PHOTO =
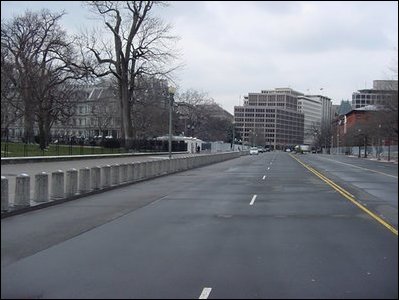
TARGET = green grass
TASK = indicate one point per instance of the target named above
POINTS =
(25, 150)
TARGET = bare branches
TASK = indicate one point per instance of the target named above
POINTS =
(141, 46)
(45, 61)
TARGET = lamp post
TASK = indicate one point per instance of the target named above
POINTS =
(379, 142)
(360, 134)
(233, 134)
(171, 91)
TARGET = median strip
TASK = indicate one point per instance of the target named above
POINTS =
(348, 196)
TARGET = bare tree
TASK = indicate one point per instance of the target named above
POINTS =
(200, 116)
(104, 109)
(141, 44)
(11, 109)
(321, 134)
(193, 110)
(45, 62)
(151, 107)
(361, 133)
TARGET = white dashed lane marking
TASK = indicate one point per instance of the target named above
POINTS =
(205, 293)
(253, 200)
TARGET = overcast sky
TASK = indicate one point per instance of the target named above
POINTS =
(232, 48)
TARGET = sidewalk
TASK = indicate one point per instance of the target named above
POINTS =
(384, 160)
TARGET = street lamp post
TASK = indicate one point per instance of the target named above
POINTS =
(379, 142)
(171, 91)
(233, 134)
(360, 134)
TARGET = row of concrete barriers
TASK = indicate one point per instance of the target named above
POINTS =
(74, 184)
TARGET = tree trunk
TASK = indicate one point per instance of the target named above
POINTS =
(29, 134)
(42, 138)
(126, 118)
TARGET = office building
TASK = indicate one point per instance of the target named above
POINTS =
(270, 118)
(379, 95)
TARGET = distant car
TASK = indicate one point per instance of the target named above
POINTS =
(261, 150)
(253, 151)
(288, 150)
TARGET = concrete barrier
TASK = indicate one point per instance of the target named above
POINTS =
(150, 169)
(143, 169)
(4, 194)
(123, 168)
(165, 165)
(84, 180)
(115, 174)
(106, 176)
(130, 172)
(57, 182)
(136, 170)
(95, 180)
(41, 187)
(22, 191)
(71, 182)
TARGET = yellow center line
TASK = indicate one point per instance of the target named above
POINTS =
(348, 196)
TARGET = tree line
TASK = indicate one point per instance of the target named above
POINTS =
(43, 69)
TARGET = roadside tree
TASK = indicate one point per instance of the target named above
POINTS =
(139, 44)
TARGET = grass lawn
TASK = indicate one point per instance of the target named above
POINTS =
(24, 150)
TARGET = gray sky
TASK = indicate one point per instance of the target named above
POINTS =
(232, 48)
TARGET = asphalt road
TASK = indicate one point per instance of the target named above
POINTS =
(252, 227)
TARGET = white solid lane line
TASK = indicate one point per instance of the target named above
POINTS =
(264, 176)
(205, 293)
(253, 200)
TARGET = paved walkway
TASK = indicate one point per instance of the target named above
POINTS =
(384, 160)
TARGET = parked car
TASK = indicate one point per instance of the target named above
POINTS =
(253, 151)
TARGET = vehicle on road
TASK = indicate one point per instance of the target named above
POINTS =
(253, 151)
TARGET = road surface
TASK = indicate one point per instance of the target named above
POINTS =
(253, 227)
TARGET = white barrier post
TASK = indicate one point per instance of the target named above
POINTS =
(130, 172)
(95, 178)
(143, 170)
(115, 174)
(57, 182)
(41, 187)
(84, 180)
(4, 194)
(22, 191)
(71, 182)
(106, 176)
(136, 171)
(123, 168)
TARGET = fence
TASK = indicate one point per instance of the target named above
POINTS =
(11, 149)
